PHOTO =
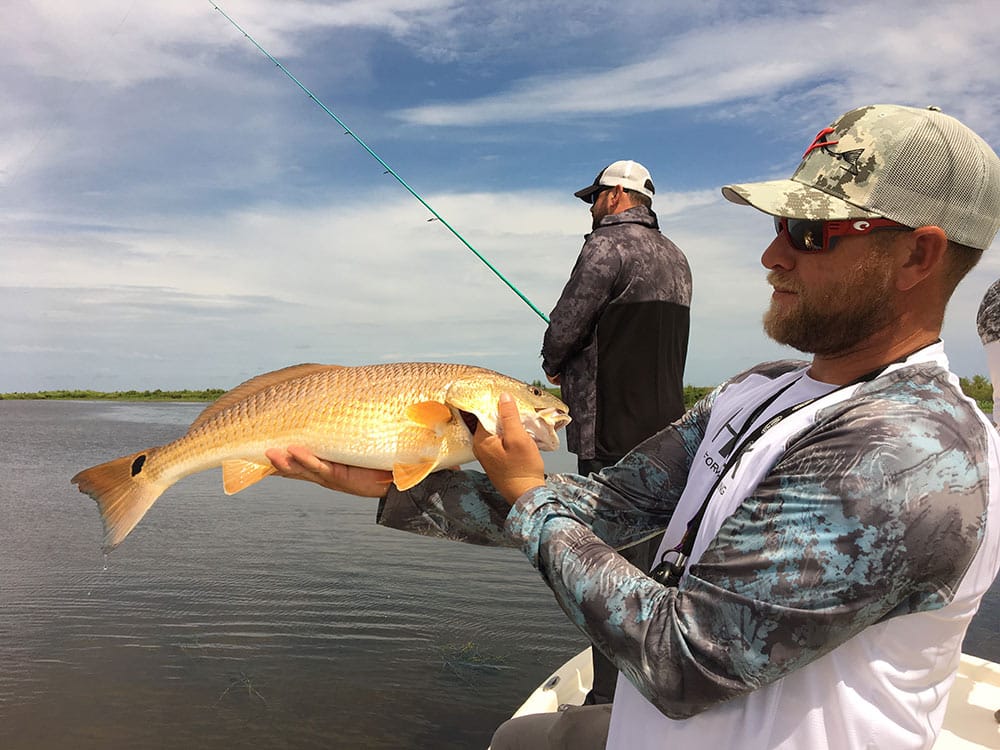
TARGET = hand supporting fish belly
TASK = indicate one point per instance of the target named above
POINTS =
(297, 462)
(409, 418)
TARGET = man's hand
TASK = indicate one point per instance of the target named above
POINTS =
(299, 463)
(510, 458)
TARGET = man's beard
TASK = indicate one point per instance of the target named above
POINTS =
(836, 319)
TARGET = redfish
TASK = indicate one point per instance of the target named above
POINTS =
(411, 418)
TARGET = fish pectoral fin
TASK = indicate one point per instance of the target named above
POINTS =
(405, 476)
(418, 451)
(238, 475)
(430, 414)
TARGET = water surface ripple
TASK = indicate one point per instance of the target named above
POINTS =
(281, 617)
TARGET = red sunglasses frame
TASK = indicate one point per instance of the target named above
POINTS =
(802, 231)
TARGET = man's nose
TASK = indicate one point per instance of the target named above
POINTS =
(779, 254)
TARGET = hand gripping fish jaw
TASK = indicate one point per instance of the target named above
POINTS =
(542, 426)
(542, 414)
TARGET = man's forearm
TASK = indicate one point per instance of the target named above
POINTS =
(459, 505)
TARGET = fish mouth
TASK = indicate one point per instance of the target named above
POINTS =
(542, 427)
(554, 417)
(470, 419)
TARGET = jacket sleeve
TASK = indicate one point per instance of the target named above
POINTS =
(832, 541)
(627, 503)
(624, 504)
(459, 505)
(583, 299)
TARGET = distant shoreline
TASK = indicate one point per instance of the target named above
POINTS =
(184, 395)
(977, 387)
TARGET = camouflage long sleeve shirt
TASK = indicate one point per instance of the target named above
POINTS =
(872, 506)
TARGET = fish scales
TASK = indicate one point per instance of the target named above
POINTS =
(340, 415)
(405, 417)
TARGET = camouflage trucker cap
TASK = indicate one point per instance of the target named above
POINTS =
(919, 167)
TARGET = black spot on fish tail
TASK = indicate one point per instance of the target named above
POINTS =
(137, 464)
(470, 421)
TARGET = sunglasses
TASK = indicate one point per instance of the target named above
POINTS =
(809, 236)
(597, 194)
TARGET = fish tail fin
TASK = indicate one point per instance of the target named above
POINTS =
(123, 494)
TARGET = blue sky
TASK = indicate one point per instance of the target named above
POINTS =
(176, 213)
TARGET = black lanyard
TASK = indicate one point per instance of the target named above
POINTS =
(669, 571)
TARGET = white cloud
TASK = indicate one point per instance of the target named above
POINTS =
(175, 220)
(123, 42)
(761, 60)
(208, 304)
(265, 287)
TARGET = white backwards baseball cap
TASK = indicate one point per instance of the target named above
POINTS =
(631, 175)
(918, 167)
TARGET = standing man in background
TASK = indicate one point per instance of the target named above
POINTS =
(617, 341)
(988, 325)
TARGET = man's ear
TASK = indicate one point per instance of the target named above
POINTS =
(923, 251)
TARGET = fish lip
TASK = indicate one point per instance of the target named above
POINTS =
(554, 416)
(543, 428)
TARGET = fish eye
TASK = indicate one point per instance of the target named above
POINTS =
(534, 391)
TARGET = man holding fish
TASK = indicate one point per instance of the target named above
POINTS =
(830, 526)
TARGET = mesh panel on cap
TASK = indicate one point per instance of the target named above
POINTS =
(940, 176)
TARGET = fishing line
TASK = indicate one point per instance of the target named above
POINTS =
(388, 169)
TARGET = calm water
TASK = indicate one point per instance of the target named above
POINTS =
(281, 617)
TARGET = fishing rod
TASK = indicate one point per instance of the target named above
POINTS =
(376, 157)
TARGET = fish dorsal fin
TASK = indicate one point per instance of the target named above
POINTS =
(238, 475)
(430, 414)
(254, 385)
(405, 476)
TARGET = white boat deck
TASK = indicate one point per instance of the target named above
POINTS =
(970, 722)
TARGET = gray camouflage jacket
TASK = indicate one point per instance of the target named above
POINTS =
(873, 511)
(618, 336)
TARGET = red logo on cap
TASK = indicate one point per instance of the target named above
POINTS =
(819, 143)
